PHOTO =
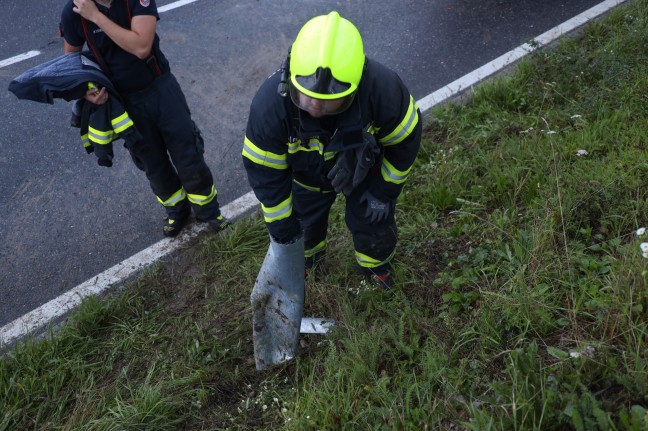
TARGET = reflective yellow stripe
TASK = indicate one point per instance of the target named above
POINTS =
(313, 251)
(311, 188)
(369, 262)
(278, 212)
(121, 123)
(202, 199)
(393, 175)
(174, 199)
(313, 145)
(405, 127)
(85, 141)
(371, 128)
(100, 137)
(263, 158)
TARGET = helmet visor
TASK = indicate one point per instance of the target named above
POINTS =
(322, 82)
(320, 107)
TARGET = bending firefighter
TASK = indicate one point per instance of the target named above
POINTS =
(121, 34)
(330, 121)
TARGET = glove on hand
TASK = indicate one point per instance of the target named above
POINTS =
(351, 167)
(341, 175)
(377, 210)
(366, 158)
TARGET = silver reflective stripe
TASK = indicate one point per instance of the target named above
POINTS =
(265, 158)
(395, 177)
(99, 139)
(405, 130)
(122, 123)
(272, 215)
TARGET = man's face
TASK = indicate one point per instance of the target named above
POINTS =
(317, 107)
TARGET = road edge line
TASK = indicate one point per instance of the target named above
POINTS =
(491, 68)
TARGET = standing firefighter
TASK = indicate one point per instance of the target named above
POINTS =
(122, 37)
(330, 121)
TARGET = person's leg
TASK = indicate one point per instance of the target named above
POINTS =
(150, 156)
(185, 145)
(374, 244)
(312, 210)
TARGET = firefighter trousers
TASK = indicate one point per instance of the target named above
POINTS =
(171, 153)
(374, 243)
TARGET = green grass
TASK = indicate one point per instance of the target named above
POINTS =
(521, 300)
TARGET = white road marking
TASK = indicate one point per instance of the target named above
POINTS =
(17, 58)
(98, 284)
(514, 55)
(30, 54)
(58, 307)
(174, 5)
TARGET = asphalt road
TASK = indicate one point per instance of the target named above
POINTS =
(66, 219)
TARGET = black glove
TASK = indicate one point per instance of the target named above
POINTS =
(351, 167)
(341, 175)
(366, 158)
(377, 210)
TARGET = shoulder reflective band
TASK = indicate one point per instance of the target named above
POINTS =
(405, 127)
(263, 158)
(278, 212)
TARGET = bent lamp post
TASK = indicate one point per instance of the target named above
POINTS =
(278, 303)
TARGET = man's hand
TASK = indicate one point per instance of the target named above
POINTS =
(377, 210)
(87, 9)
(96, 96)
(137, 40)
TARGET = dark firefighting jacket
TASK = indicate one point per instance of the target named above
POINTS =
(284, 144)
(67, 77)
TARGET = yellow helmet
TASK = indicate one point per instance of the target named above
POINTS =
(327, 58)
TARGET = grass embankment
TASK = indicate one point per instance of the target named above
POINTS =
(521, 303)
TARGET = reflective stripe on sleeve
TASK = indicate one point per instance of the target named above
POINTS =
(393, 175)
(405, 127)
(85, 141)
(121, 123)
(278, 212)
(100, 137)
(263, 158)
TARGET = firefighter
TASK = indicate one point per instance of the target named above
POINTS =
(332, 121)
(121, 34)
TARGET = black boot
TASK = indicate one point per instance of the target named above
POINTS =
(175, 221)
